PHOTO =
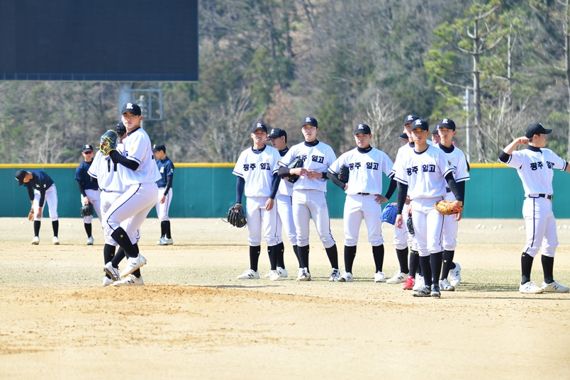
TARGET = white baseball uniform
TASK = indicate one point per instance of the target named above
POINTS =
(535, 168)
(458, 162)
(257, 168)
(403, 239)
(424, 173)
(309, 201)
(365, 182)
(131, 208)
(284, 204)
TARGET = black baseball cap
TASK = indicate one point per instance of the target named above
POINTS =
(276, 133)
(404, 136)
(421, 124)
(309, 120)
(20, 174)
(536, 129)
(447, 123)
(133, 108)
(410, 118)
(362, 128)
(259, 125)
(87, 148)
(161, 147)
(120, 128)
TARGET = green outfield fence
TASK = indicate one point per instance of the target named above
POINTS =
(206, 190)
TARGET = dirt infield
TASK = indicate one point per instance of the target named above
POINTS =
(193, 319)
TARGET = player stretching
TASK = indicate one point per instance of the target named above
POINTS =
(423, 174)
(278, 138)
(256, 172)
(535, 167)
(89, 190)
(166, 170)
(363, 198)
(457, 159)
(309, 200)
(41, 188)
(129, 211)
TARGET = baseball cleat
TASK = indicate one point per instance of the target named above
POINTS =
(530, 288)
(335, 275)
(424, 291)
(397, 278)
(379, 277)
(274, 275)
(55, 240)
(435, 292)
(282, 272)
(133, 263)
(249, 274)
(419, 282)
(90, 240)
(165, 241)
(346, 277)
(554, 287)
(446, 286)
(130, 280)
(112, 272)
(455, 275)
(107, 281)
(36, 240)
(303, 275)
(409, 284)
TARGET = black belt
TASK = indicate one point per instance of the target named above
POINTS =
(547, 196)
(363, 193)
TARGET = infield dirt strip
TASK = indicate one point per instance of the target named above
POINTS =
(193, 319)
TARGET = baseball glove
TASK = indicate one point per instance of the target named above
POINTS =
(86, 210)
(297, 163)
(236, 217)
(448, 207)
(389, 213)
(343, 176)
(108, 142)
(410, 225)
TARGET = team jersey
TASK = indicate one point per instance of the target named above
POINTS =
(257, 168)
(40, 182)
(458, 162)
(317, 157)
(86, 182)
(138, 148)
(535, 168)
(107, 173)
(285, 187)
(365, 170)
(165, 169)
(424, 173)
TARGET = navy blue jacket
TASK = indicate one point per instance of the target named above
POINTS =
(40, 181)
(85, 181)
(166, 170)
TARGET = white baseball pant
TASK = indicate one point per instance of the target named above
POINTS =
(94, 198)
(50, 200)
(428, 224)
(540, 227)
(284, 205)
(162, 208)
(450, 227)
(307, 205)
(261, 222)
(356, 208)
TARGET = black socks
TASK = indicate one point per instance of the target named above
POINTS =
(349, 255)
(55, 226)
(332, 254)
(435, 260)
(378, 253)
(403, 259)
(254, 252)
(526, 267)
(165, 229)
(88, 229)
(37, 225)
(447, 264)
(548, 267)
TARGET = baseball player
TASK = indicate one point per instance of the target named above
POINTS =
(89, 190)
(308, 197)
(256, 172)
(128, 212)
(435, 139)
(458, 161)
(41, 188)
(402, 237)
(535, 167)
(111, 187)
(166, 170)
(283, 202)
(363, 198)
(422, 174)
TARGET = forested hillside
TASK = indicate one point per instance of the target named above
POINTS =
(343, 62)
